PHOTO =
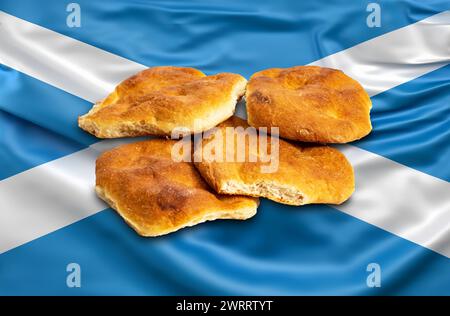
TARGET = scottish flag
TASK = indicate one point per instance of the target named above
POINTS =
(391, 238)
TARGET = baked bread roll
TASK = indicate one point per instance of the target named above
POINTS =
(309, 104)
(156, 195)
(299, 175)
(160, 100)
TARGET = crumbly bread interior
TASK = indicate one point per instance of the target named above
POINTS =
(269, 189)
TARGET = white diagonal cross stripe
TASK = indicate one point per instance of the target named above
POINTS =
(401, 200)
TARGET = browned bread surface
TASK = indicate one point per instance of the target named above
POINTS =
(156, 195)
(305, 174)
(158, 100)
(309, 104)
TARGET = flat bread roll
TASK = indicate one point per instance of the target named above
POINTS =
(156, 195)
(309, 104)
(160, 100)
(300, 175)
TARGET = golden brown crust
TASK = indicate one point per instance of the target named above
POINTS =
(306, 174)
(156, 195)
(160, 99)
(309, 103)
